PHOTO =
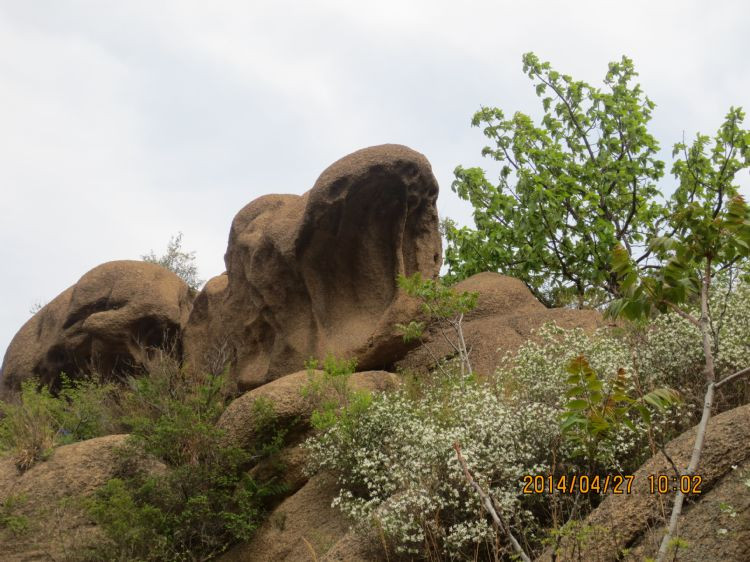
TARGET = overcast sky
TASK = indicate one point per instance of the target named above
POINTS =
(122, 123)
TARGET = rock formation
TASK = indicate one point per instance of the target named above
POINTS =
(306, 276)
(48, 497)
(102, 324)
(505, 315)
(316, 273)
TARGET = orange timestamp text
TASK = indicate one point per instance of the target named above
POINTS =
(615, 483)
(581, 483)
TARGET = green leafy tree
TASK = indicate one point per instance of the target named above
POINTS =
(569, 190)
(710, 233)
(178, 261)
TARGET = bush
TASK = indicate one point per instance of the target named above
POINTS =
(203, 500)
(538, 373)
(396, 464)
(397, 470)
(328, 393)
(40, 420)
(10, 520)
(181, 492)
(178, 261)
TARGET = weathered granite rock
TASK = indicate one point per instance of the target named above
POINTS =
(316, 273)
(103, 323)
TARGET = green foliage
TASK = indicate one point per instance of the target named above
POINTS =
(41, 420)
(569, 189)
(203, 500)
(439, 302)
(10, 519)
(172, 411)
(710, 234)
(443, 308)
(710, 226)
(595, 410)
(329, 394)
(576, 536)
(677, 543)
(178, 261)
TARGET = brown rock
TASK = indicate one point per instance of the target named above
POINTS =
(46, 494)
(627, 520)
(312, 274)
(716, 528)
(305, 527)
(291, 408)
(503, 320)
(101, 324)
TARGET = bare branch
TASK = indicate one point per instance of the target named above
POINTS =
(733, 376)
(707, 404)
(487, 502)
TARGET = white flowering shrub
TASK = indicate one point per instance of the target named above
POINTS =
(537, 373)
(398, 468)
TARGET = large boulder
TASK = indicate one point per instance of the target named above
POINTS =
(47, 498)
(101, 324)
(292, 410)
(504, 318)
(316, 273)
(306, 527)
(629, 526)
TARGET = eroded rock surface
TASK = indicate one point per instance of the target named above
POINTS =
(102, 323)
(312, 274)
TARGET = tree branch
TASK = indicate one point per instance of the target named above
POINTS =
(733, 376)
(682, 313)
(707, 403)
(487, 502)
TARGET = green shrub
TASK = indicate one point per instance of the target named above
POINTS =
(202, 500)
(331, 399)
(40, 420)
(10, 519)
(538, 373)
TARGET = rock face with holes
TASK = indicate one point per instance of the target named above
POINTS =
(103, 323)
(316, 273)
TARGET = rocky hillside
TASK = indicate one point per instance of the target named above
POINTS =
(306, 277)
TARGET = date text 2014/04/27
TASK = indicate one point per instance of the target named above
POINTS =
(615, 483)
